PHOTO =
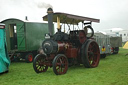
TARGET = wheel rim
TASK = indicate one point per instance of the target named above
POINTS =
(61, 65)
(30, 58)
(93, 54)
(39, 64)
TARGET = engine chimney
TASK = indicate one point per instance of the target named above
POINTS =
(26, 18)
(50, 20)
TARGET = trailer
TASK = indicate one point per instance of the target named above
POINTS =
(107, 44)
(115, 42)
(24, 38)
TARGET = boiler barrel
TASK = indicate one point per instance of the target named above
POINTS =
(50, 46)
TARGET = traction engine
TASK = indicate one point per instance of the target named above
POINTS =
(62, 50)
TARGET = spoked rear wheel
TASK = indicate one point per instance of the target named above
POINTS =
(60, 64)
(39, 63)
(90, 54)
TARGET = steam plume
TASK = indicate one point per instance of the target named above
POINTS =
(44, 5)
(34, 9)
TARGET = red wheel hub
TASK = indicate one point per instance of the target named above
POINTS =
(30, 58)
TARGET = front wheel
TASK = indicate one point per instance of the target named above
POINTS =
(60, 64)
(39, 63)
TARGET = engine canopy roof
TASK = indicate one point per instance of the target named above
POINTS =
(70, 18)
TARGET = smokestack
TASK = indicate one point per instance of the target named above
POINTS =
(50, 20)
(26, 18)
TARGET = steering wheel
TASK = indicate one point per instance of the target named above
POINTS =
(89, 31)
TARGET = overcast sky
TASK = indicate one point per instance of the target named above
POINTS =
(112, 13)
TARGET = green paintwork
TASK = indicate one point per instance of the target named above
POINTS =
(29, 35)
(35, 34)
(21, 36)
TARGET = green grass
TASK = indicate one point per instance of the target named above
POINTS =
(113, 70)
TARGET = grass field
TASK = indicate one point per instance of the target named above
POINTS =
(113, 70)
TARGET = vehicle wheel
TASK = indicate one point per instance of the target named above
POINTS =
(115, 50)
(60, 64)
(90, 35)
(39, 63)
(11, 58)
(90, 54)
(29, 57)
(102, 55)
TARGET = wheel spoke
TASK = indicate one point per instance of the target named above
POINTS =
(57, 67)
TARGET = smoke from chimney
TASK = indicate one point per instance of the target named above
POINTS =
(34, 9)
(44, 5)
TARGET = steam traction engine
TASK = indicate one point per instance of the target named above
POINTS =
(61, 50)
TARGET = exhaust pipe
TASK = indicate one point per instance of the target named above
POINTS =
(26, 18)
(50, 20)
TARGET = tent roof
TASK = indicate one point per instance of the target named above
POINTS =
(125, 45)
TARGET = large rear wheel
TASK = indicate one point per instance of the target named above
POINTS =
(39, 63)
(90, 54)
(60, 64)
